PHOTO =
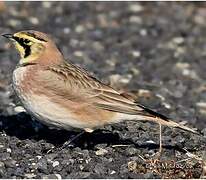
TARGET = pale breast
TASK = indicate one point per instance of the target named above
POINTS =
(18, 78)
(41, 106)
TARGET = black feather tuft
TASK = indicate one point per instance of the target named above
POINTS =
(153, 113)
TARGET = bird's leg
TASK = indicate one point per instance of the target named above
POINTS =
(67, 143)
(158, 154)
(160, 139)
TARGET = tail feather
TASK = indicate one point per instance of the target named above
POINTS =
(174, 124)
(161, 119)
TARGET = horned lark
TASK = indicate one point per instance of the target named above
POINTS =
(61, 94)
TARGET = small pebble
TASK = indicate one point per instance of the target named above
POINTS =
(202, 107)
(101, 152)
(78, 53)
(14, 23)
(30, 175)
(10, 163)
(131, 151)
(58, 176)
(204, 132)
(181, 65)
(168, 106)
(39, 157)
(19, 109)
(34, 20)
(201, 104)
(132, 165)
(135, 71)
(99, 168)
(55, 163)
(178, 40)
(150, 142)
(136, 54)
(79, 29)
(135, 19)
(74, 42)
(112, 172)
(117, 78)
(135, 8)
(52, 176)
(144, 93)
(66, 30)
(143, 32)
(8, 150)
(1, 164)
(46, 4)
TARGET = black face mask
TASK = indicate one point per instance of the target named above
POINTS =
(24, 43)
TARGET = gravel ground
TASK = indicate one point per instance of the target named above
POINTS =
(154, 50)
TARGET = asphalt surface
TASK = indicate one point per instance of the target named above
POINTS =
(154, 50)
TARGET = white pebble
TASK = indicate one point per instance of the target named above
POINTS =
(136, 8)
(168, 106)
(79, 29)
(81, 167)
(66, 30)
(112, 172)
(1, 164)
(178, 40)
(19, 109)
(201, 104)
(126, 79)
(161, 97)
(144, 93)
(8, 150)
(55, 163)
(39, 157)
(101, 152)
(78, 53)
(14, 23)
(29, 175)
(182, 65)
(143, 32)
(136, 53)
(58, 176)
(186, 72)
(74, 42)
(150, 142)
(192, 74)
(46, 4)
(135, 19)
(34, 20)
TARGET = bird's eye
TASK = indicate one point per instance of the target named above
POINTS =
(26, 41)
(21, 40)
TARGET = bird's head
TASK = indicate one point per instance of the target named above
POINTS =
(33, 46)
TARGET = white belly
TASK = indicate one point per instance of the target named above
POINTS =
(42, 108)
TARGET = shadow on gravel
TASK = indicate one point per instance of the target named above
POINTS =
(23, 127)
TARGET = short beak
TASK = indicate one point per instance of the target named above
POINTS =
(9, 36)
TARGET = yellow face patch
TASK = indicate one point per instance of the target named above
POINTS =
(20, 49)
(29, 47)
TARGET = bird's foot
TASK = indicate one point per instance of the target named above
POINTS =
(157, 155)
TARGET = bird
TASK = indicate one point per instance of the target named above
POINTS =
(61, 94)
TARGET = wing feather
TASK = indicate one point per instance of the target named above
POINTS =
(78, 85)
